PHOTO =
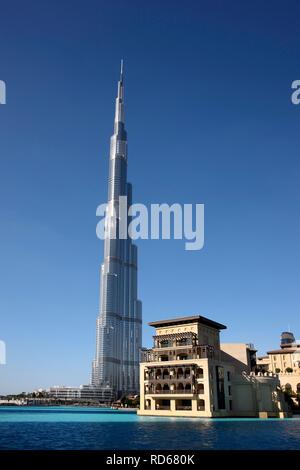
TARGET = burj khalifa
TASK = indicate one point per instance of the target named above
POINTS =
(115, 369)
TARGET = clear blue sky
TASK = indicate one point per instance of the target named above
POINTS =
(209, 120)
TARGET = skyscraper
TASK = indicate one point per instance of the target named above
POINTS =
(119, 324)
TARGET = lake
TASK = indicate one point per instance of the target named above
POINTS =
(96, 428)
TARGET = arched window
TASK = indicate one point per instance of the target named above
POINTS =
(199, 373)
(201, 405)
(180, 386)
(147, 404)
(158, 388)
(298, 388)
(166, 387)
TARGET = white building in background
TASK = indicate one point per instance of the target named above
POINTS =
(84, 392)
(65, 393)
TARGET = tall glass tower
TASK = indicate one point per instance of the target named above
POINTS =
(119, 325)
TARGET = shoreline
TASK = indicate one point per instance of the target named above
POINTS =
(63, 405)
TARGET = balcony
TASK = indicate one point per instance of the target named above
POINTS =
(179, 391)
(174, 387)
(168, 378)
(174, 340)
(173, 374)
(170, 392)
(175, 344)
(180, 354)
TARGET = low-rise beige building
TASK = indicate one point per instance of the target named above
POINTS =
(189, 373)
(285, 362)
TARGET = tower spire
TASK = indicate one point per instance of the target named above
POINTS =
(121, 72)
(119, 113)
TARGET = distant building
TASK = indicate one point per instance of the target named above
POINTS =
(263, 364)
(84, 392)
(65, 393)
(94, 393)
(285, 362)
(189, 373)
(242, 354)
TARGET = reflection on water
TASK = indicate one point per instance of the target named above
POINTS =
(93, 428)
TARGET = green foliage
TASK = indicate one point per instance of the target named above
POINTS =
(130, 402)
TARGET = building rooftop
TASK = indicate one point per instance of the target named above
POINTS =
(191, 319)
(282, 351)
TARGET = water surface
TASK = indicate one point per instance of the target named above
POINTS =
(96, 428)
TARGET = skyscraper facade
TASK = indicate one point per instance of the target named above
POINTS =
(115, 368)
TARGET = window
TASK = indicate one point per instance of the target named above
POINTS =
(200, 389)
(183, 405)
(162, 404)
(230, 405)
(229, 390)
(163, 358)
(220, 387)
(182, 341)
(182, 357)
(147, 404)
(228, 376)
(200, 405)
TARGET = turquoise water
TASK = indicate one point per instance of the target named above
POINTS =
(94, 428)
